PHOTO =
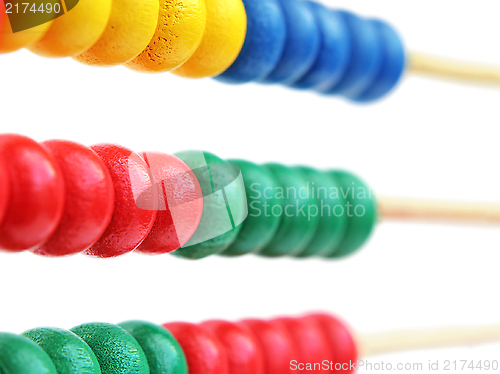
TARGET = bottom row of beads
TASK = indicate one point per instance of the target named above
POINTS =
(213, 347)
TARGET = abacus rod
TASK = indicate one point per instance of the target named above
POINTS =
(438, 67)
(381, 343)
(429, 210)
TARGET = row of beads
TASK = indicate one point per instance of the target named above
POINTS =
(297, 43)
(59, 198)
(213, 347)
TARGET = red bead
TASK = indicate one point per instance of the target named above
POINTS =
(312, 345)
(204, 352)
(36, 194)
(4, 188)
(241, 346)
(340, 340)
(180, 203)
(276, 344)
(89, 199)
(133, 187)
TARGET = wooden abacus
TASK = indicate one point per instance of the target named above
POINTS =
(316, 342)
(59, 198)
(299, 44)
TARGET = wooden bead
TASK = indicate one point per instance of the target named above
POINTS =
(204, 352)
(302, 43)
(10, 41)
(335, 50)
(361, 212)
(19, 355)
(296, 228)
(276, 344)
(116, 350)
(259, 227)
(180, 204)
(241, 346)
(68, 352)
(332, 222)
(264, 43)
(133, 185)
(89, 199)
(76, 31)
(341, 344)
(312, 345)
(224, 205)
(4, 189)
(222, 40)
(163, 352)
(177, 36)
(131, 26)
(366, 57)
(37, 194)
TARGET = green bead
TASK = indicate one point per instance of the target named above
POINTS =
(328, 203)
(19, 355)
(69, 353)
(224, 205)
(116, 350)
(258, 228)
(164, 354)
(297, 227)
(360, 209)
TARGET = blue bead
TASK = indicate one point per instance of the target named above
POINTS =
(394, 63)
(264, 43)
(301, 45)
(334, 53)
(366, 58)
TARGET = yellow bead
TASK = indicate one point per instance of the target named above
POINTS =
(76, 31)
(224, 36)
(131, 26)
(10, 42)
(179, 32)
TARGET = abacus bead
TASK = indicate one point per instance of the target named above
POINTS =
(19, 355)
(224, 205)
(276, 344)
(222, 40)
(116, 350)
(13, 41)
(4, 190)
(76, 31)
(301, 45)
(68, 352)
(264, 43)
(133, 186)
(89, 199)
(394, 62)
(334, 51)
(332, 226)
(366, 58)
(341, 343)
(180, 203)
(241, 346)
(312, 345)
(162, 351)
(258, 228)
(37, 194)
(204, 352)
(296, 228)
(361, 210)
(178, 34)
(131, 26)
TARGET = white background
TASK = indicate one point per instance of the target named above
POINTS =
(429, 139)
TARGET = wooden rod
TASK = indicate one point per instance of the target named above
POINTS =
(437, 67)
(422, 210)
(381, 343)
